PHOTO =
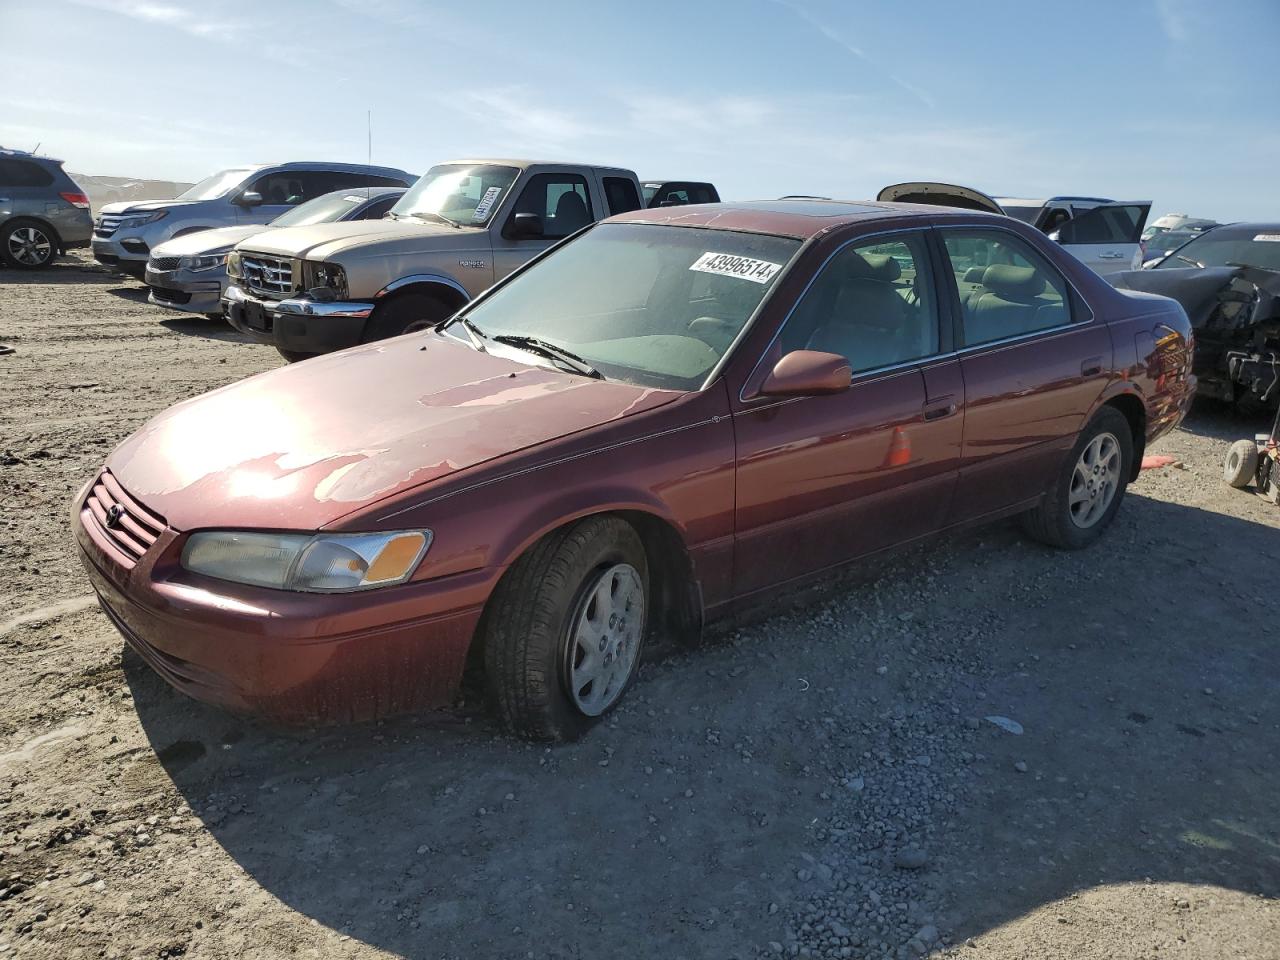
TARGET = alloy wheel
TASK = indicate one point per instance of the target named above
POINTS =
(30, 246)
(1095, 480)
(604, 638)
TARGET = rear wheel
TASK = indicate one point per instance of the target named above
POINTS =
(1089, 487)
(28, 245)
(1241, 465)
(564, 630)
(405, 314)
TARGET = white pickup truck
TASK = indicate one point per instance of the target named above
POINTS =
(462, 227)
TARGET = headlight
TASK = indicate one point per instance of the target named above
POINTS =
(233, 264)
(314, 563)
(142, 219)
(327, 276)
(206, 261)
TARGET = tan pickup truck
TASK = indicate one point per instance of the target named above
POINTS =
(463, 226)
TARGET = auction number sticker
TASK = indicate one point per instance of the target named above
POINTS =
(486, 204)
(729, 265)
(1268, 238)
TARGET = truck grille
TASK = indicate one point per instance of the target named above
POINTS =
(107, 224)
(268, 275)
(127, 526)
(164, 263)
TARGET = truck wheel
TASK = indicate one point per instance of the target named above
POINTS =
(1087, 492)
(1241, 465)
(404, 314)
(563, 631)
(27, 245)
(293, 356)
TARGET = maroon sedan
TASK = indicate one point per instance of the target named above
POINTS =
(668, 414)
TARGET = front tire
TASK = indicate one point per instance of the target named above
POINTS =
(404, 314)
(295, 356)
(1089, 487)
(563, 632)
(28, 245)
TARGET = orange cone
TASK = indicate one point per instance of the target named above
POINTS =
(899, 449)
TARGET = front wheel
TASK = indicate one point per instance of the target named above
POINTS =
(406, 313)
(294, 356)
(563, 632)
(27, 245)
(1241, 464)
(1088, 489)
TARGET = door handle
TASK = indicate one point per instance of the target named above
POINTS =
(1091, 367)
(1111, 255)
(939, 409)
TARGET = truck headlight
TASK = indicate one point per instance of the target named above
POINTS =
(311, 563)
(142, 219)
(208, 261)
(233, 264)
(326, 276)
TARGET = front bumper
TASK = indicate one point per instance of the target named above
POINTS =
(292, 658)
(191, 291)
(128, 254)
(297, 324)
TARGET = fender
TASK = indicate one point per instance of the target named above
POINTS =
(415, 279)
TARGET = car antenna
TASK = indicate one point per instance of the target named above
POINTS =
(368, 126)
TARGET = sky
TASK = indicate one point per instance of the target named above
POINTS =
(1173, 101)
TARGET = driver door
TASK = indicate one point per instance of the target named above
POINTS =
(563, 202)
(824, 479)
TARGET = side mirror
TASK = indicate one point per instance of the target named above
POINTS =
(250, 198)
(807, 373)
(525, 226)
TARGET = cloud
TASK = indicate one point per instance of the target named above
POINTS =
(1175, 20)
(198, 23)
(523, 115)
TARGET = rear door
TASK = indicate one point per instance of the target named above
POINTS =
(1106, 236)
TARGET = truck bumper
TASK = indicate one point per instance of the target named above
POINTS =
(297, 324)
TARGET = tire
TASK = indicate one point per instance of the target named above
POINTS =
(28, 245)
(1071, 516)
(295, 356)
(1241, 465)
(533, 655)
(405, 313)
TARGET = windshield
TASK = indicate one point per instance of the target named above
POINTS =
(656, 306)
(1253, 249)
(330, 208)
(459, 192)
(210, 188)
(1166, 240)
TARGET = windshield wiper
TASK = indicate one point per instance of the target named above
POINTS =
(552, 351)
(1194, 263)
(475, 333)
(439, 216)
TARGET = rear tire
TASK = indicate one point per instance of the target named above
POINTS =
(1089, 486)
(1241, 465)
(28, 245)
(588, 579)
(404, 314)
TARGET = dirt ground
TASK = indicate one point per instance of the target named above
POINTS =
(819, 783)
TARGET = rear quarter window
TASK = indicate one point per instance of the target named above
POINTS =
(24, 173)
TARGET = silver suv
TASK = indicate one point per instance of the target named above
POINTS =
(126, 232)
(43, 212)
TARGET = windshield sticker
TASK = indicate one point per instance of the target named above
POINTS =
(744, 268)
(1268, 238)
(352, 198)
(486, 204)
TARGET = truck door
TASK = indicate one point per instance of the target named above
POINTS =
(563, 204)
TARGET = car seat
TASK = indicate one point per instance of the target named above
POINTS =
(1006, 305)
(868, 320)
(571, 214)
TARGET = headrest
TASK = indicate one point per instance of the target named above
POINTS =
(871, 266)
(974, 274)
(1013, 283)
(570, 204)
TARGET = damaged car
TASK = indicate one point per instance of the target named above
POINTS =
(1228, 281)
(658, 422)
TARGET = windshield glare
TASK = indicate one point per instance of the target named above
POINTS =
(1215, 250)
(463, 193)
(330, 208)
(210, 188)
(653, 305)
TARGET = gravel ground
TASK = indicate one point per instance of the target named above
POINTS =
(822, 782)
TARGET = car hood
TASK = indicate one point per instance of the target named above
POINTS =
(206, 241)
(322, 241)
(939, 194)
(304, 445)
(140, 206)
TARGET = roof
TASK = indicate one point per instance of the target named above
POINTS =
(801, 219)
(525, 163)
(1244, 229)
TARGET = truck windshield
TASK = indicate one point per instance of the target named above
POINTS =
(210, 188)
(460, 192)
(330, 208)
(648, 304)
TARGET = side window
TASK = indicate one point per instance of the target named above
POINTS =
(560, 199)
(872, 303)
(379, 208)
(282, 189)
(621, 194)
(22, 173)
(1006, 288)
(1106, 224)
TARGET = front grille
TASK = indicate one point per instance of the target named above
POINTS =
(164, 263)
(130, 528)
(107, 224)
(268, 275)
(169, 295)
